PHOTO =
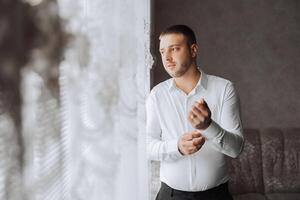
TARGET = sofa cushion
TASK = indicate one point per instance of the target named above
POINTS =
(281, 160)
(246, 170)
(250, 196)
(283, 196)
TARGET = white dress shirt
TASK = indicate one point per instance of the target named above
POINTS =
(167, 112)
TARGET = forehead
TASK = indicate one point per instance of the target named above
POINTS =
(171, 39)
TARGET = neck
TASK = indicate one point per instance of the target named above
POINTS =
(189, 80)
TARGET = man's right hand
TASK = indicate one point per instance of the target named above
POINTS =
(190, 143)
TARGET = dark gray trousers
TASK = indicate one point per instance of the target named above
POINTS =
(218, 193)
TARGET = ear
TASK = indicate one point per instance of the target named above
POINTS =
(194, 50)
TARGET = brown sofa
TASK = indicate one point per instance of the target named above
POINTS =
(269, 166)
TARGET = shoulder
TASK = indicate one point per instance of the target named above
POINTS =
(161, 88)
(212, 79)
(157, 91)
(217, 82)
(221, 86)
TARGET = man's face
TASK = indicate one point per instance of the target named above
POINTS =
(175, 54)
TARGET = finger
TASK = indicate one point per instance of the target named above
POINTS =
(203, 141)
(196, 134)
(199, 115)
(187, 136)
(193, 149)
(202, 101)
(192, 119)
(199, 118)
(188, 143)
(198, 141)
(196, 123)
(205, 103)
(191, 116)
(199, 146)
(196, 111)
(203, 107)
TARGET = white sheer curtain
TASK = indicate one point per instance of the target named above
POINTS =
(104, 81)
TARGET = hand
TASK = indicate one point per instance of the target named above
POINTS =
(200, 115)
(190, 143)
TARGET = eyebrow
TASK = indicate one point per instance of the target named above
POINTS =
(172, 45)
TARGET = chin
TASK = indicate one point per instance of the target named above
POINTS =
(174, 75)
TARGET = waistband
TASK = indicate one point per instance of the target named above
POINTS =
(219, 189)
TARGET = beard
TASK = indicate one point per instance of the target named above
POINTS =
(180, 71)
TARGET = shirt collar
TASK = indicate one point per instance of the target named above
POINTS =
(202, 83)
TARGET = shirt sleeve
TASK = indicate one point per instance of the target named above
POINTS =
(227, 136)
(156, 148)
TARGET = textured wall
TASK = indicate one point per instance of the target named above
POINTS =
(253, 43)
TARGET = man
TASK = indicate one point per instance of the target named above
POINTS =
(193, 123)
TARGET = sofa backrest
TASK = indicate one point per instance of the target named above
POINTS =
(269, 163)
(281, 159)
(246, 170)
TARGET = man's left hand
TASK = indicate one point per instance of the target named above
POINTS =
(200, 115)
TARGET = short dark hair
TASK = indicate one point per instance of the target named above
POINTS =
(181, 29)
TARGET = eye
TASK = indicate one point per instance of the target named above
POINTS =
(161, 52)
(175, 49)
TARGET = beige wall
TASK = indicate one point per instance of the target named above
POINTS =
(255, 44)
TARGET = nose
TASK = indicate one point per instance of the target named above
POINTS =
(168, 56)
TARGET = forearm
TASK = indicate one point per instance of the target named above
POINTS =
(229, 142)
(162, 150)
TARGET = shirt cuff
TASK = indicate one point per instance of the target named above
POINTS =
(173, 148)
(212, 130)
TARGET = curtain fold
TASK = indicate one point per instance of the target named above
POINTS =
(83, 88)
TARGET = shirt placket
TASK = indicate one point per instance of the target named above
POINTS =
(192, 174)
